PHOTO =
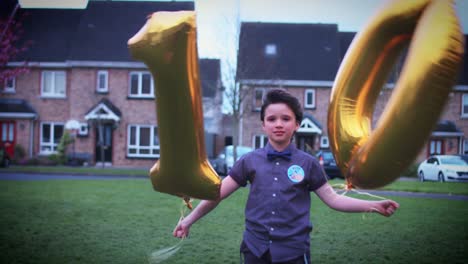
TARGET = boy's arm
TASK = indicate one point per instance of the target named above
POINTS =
(347, 204)
(228, 186)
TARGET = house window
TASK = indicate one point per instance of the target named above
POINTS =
(465, 146)
(141, 85)
(53, 84)
(50, 136)
(143, 141)
(259, 94)
(435, 147)
(8, 131)
(309, 98)
(270, 50)
(102, 82)
(9, 85)
(259, 141)
(464, 110)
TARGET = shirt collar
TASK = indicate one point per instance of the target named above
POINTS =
(291, 147)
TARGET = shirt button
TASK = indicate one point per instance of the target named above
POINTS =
(274, 195)
(276, 179)
(272, 229)
(277, 163)
(273, 212)
(271, 241)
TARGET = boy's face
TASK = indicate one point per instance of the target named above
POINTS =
(279, 124)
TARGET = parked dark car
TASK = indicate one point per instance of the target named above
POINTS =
(225, 160)
(4, 158)
(327, 160)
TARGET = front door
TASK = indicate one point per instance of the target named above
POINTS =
(104, 143)
(306, 143)
(8, 137)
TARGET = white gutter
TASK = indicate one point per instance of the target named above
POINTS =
(70, 64)
(313, 83)
(287, 82)
(18, 115)
(447, 134)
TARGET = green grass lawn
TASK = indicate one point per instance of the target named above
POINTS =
(124, 221)
(409, 186)
(78, 170)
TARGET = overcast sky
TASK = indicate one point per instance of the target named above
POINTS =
(216, 17)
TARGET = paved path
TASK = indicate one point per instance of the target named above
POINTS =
(419, 195)
(57, 176)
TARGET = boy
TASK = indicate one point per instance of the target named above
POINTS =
(281, 178)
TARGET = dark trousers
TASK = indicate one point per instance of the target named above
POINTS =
(247, 257)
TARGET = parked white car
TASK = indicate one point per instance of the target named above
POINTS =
(443, 168)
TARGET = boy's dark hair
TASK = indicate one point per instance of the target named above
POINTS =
(281, 96)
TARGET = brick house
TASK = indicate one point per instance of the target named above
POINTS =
(80, 69)
(304, 59)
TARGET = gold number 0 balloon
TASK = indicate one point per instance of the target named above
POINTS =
(372, 160)
(167, 45)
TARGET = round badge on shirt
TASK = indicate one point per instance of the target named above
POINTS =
(295, 173)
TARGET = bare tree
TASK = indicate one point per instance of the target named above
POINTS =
(227, 47)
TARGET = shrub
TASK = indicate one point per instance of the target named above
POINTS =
(20, 153)
(39, 161)
(411, 171)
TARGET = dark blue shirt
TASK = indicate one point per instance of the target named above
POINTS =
(277, 214)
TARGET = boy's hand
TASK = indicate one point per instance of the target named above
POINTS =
(386, 207)
(181, 230)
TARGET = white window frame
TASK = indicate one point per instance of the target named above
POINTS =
(105, 86)
(152, 147)
(271, 50)
(8, 131)
(51, 144)
(254, 101)
(306, 103)
(140, 88)
(263, 139)
(9, 86)
(435, 147)
(54, 93)
(464, 102)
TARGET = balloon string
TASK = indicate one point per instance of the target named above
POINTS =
(188, 202)
(343, 189)
(158, 256)
(161, 255)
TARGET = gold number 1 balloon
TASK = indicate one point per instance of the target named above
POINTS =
(167, 45)
(374, 159)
